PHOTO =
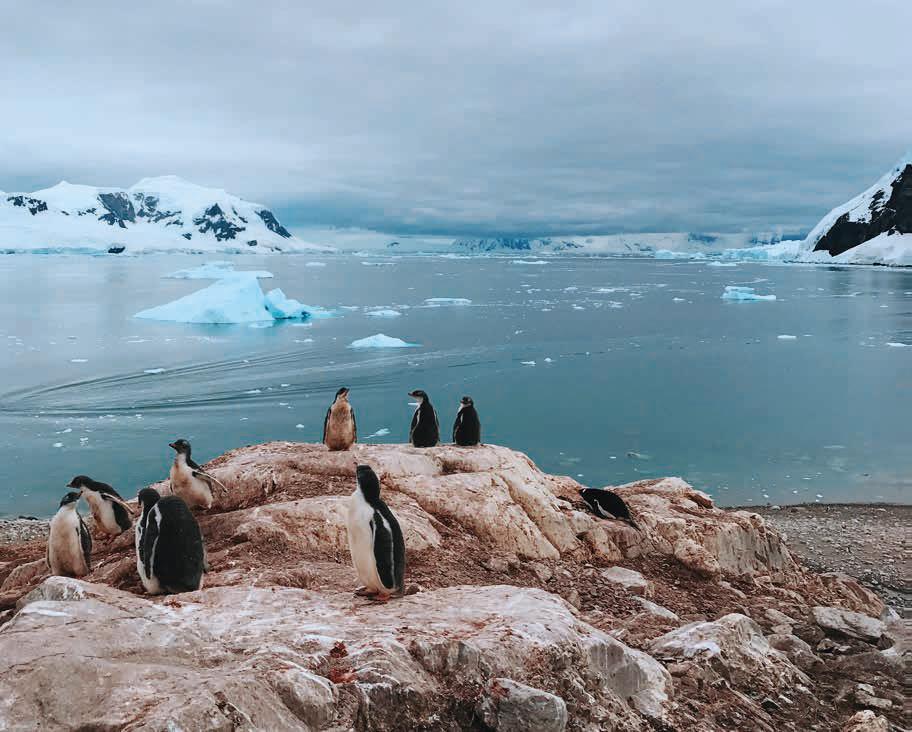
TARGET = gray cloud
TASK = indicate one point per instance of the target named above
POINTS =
(474, 117)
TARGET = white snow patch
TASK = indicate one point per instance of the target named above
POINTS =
(381, 340)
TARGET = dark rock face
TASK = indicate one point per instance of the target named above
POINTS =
(251, 242)
(519, 244)
(214, 220)
(116, 249)
(890, 216)
(34, 205)
(120, 209)
(272, 223)
(147, 208)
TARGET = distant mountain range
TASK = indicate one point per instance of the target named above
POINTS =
(157, 214)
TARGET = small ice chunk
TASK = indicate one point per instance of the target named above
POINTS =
(744, 294)
(678, 299)
(153, 371)
(548, 360)
(895, 344)
(721, 264)
(79, 360)
(381, 340)
(530, 261)
(254, 391)
(299, 426)
(527, 363)
(384, 313)
(57, 444)
(315, 264)
(787, 337)
(440, 301)
(382, 432)
(213, 271)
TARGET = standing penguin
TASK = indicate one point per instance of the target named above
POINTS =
(69, 547)
(111, 513)
(340, 431)
(170, 555)
(607, 504)
(467, 427)
(375, 540)
(189, 480)
(425, 429)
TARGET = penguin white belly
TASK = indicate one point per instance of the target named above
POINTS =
(151, 583)
(65, 555)
(103, 513)
(183, 483)
(361, 542)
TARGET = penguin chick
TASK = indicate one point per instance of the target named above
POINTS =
(425, 428)
(69, 547)
(607, 504)
(375, 540)
(111, 513)
(467, 427)
(340, 431)
(189, 480)
(170, 554)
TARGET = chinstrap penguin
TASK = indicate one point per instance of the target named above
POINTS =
(340, 431)
(189, 480)
(111, 513)
(375, 540)
(425, 429)
(607, 504)
(170, 554)
(467, 427)
(69, 547)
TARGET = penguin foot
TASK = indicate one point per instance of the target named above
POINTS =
(379, 597)
(365, 592)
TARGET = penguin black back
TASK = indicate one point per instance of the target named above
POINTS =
(607, 504)
(171, 547)
(467, 427)
(425, 429)
(107, 494)
(389, 543)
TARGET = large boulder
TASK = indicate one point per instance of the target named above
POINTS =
(847, 623)
(90, 656)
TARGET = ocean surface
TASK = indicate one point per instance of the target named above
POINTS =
(608, 370)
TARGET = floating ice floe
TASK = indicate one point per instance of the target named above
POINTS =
(530, 261)
(384, 313)
(715, 263)
(668, 254)
(381, 340)
(79, 360)
(895, 344)
(744, 294)
(153, 371)
(786, 337)
(527, 363)
(315, 264)
(236, 298)
(382, 432)
(678, 299)
(213, 271)
(436, 302)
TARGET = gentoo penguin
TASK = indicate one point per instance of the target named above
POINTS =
(425, 429)
(467, 428)
(189, 480)
(170, 555)
(111, 513)
(69, 548)
(340, 431)
(607, 504)
(375, 540)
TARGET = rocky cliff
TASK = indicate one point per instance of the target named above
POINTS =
(526, 612)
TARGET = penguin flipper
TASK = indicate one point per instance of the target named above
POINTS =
(456, 425)
(354, 426)
(383, 550)
(209, 480)
(326, 424)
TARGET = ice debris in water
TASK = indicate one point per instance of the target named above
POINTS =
(786, 337)
(722, 264)
(381, 340)
(439, 301)
(529, 261)
(315, 264)
(382, 432)
(384, 313)
(894, 344)
(668, 254)
(79, 360)
(743, 294)
(527, 363)
(213, 271)
(153, 371)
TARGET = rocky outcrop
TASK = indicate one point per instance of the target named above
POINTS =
(524, 611)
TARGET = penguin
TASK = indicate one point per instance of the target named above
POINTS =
(340, 431)
(69, 547)
(112, 515)
(170, 554)
(425, 429)
(467, 427)
(375, 540)
(607, 504)
(189, 480)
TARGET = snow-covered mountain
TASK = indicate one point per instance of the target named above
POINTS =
(618, 244)
(875, 227)
(157, 214)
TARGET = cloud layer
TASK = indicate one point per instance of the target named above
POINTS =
(472, 117)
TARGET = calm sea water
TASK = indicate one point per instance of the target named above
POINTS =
(640, 370)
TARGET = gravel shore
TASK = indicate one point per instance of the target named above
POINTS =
(870, 542)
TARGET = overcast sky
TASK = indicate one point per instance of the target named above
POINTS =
(468, 117)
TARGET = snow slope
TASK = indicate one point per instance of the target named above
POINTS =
(156, 214)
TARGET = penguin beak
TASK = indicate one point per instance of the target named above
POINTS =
(172, 445)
